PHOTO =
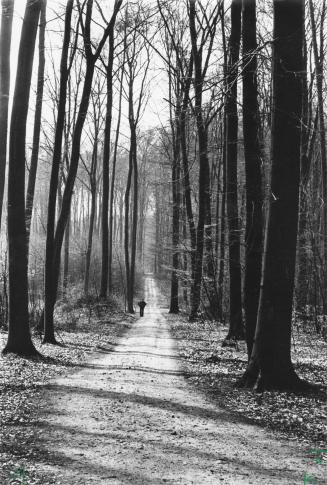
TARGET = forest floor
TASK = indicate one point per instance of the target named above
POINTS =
(134, 411)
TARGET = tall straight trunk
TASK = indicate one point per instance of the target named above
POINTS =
(55, 168)
(51, 295)
(113, 179)
(222, 249)
(319, 68)
(308, 136)
(37, 125)
(135, 212)
(271, 355)
(105, 171)
(204, 169)
(252, 154)
(236, 330)
(307, 149)
(91, 215)
(7, 8)
(54, 258)
(19, 336)
(185, 162)
(66, 255)
(89, 242)
(221, 271)
(174, 303)
(129, 297)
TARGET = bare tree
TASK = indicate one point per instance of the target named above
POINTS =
(137, 65)
(235, 286)
(37, 124)
(19, 337)
(253, 157)
(270, 364)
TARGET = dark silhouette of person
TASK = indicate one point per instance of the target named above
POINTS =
(141, 304)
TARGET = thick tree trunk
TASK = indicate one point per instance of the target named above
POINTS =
(252, 153)
(7, 8)
(19, 337)
(236, 330)
(271, 355)
(37, 125)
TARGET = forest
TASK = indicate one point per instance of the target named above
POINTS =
(173, 151)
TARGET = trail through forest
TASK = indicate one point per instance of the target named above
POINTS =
(129, 416)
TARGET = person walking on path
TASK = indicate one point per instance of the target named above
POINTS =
(141, 304)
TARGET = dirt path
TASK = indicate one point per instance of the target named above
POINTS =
(129, 417)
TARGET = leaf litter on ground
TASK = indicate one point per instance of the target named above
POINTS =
(215, 370)
(81, 329)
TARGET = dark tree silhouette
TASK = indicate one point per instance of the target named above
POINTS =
(236, 330)
(19, 337)
(270, 361)
(56, 159)
(105, 165)
(37, 124)
(252, 153)
(54, 268)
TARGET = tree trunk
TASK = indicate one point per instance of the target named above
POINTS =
(105, 171)
(271, 355)
(66, 256)
(185, 162)
(7, 7)
(37, 125)
(204, 217)
(19, 337)
(51, 295)
(319, 68)
(113, 179)
(89, 243)
(174, 303)
(129, 298)
(236, 330)
(252, 154)
(56, 159)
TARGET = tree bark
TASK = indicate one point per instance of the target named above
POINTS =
(271, 355)
(174, 285)
(252, 154)
(236, 329)
(113, 179)
(105, 170)
(37, 125)
(54, 177)
(319, 68)
(19, 336)
(204, 211)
